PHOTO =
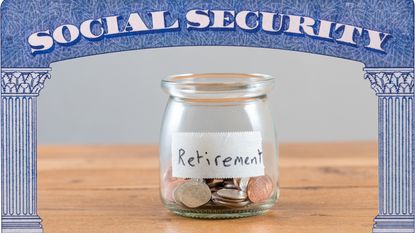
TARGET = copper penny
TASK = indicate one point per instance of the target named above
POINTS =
(259, 188)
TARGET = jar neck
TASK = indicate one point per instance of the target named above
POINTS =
(218, 88)
(219, 101)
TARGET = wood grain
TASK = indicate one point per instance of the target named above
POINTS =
(95, 189)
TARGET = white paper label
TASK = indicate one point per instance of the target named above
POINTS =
(217, 155)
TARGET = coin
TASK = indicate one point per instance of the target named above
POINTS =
(177, 193)
(228, 204)
(215, 189)
(230, 186)
(259, 188)
(243, 183)
(214, 183)
(192, 194)
(207, 181)
(169, 189)
(232, 194)
(228, 181)
(236, 181)
(215, 196)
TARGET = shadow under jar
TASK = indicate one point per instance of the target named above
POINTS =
(218, 147)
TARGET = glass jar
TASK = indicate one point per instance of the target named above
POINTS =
(218, 147)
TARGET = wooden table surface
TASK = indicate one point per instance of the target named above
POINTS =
(96, 189)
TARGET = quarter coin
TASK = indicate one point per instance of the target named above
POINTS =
(192, 194)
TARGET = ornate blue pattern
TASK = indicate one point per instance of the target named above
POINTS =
(18, 82)
(395, 89)
(37, 15)
(391, 81)
(20, 89)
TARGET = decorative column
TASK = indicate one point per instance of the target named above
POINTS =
(394, 88)
(20, 88)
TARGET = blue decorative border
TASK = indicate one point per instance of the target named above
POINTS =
(39, 15)
(36, 33)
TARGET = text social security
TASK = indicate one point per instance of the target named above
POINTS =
(204, 19)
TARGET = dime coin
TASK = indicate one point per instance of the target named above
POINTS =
(192, 194)
(232, 194)
(259, 189)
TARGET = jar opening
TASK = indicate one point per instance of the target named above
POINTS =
(218, 85)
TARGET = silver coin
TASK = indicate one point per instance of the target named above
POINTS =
(232, 194)
(227, 200)
(230, 186)
(236, 181)
(192, 194)
(177, 194)
(243, 184)
(231, 204)
(216, 196)
(239, 204)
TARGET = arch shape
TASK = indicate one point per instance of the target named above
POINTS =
(37, 35)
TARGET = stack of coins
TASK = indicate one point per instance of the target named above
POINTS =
(230, 192)
(230, 198)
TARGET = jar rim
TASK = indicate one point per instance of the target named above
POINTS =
(218, 85)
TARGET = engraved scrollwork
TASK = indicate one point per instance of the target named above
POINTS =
(15, 81)
(388, 81)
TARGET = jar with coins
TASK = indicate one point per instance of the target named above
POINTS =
(218, 147)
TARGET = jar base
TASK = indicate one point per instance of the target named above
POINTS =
(224, 213)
